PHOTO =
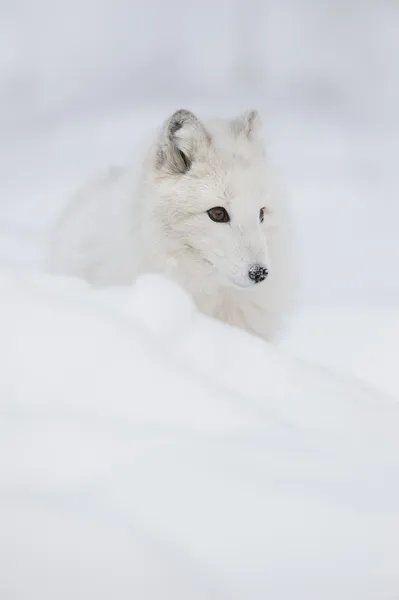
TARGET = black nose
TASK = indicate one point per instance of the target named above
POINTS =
(258, 273)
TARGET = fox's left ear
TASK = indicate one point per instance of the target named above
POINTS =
(248, 124)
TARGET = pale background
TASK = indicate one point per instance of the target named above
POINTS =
(80, 80)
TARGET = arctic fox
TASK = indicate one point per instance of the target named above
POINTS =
(203, 211)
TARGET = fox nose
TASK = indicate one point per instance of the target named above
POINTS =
(258, 273)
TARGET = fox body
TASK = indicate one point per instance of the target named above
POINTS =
(202, 209)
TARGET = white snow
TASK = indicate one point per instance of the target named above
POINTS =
(146, 451)
(360, 340)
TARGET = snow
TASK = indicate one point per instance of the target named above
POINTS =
(362, 341)
(145, 450)
(133, 426)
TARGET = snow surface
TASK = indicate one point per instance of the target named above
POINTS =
(148, 451)
(145, 451)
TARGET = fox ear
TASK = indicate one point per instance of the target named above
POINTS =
(248, 124)
(183, 137)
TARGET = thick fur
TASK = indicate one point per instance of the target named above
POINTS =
(123, 225)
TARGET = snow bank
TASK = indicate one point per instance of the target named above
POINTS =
(357, 340)
(147, 452)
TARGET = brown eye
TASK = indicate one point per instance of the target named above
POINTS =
(218, 214)
(261, 214)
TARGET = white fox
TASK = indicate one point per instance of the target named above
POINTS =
(203, 211)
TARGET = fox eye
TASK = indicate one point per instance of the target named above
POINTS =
(262, 214)
(218, 214)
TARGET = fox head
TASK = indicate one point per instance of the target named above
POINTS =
(208, 189)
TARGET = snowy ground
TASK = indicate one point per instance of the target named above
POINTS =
(146, 451)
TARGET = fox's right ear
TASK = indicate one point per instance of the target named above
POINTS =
(247, 124)
(183, 137)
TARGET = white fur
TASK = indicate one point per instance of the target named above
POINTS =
(121, 225)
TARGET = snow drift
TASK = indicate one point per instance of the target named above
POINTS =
(147, 452)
